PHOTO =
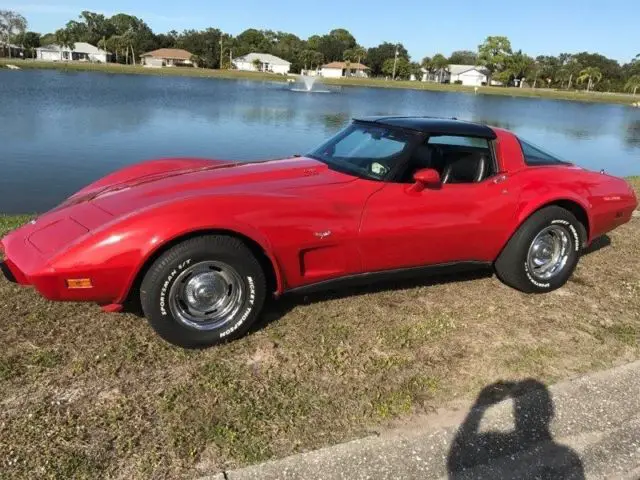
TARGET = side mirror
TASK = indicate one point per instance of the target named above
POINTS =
(426, 178)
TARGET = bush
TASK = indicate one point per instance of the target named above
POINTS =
(458, 82)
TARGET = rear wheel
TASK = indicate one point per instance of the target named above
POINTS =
(543, 253)
(203, 291)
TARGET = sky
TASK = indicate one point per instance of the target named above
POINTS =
(424, 27)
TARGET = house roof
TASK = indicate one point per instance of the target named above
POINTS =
(170, 53)
(343, 65)
(78, 47)
(460, 69)
(263, 57)
(431, 125)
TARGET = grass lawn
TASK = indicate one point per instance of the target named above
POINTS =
(353, 82)
(89, 394)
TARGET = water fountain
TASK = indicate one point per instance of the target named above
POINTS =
(306, 83)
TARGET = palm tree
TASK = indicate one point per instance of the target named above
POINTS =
(633, 84)
(592, 74)
(64, 39)
(440, 64)
(355, 54)
(11, 23)
(427, 65)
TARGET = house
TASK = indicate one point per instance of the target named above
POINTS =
(168, 57)
(441, 75)
(80, 51)
(472, 75)
(262, 62)
(10, 50)
(344, 69)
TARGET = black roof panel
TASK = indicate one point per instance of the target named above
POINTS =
(447, 126)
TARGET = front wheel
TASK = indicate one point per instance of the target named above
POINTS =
(203, 291)
(543, 253)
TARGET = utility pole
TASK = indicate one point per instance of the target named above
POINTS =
(395, 62)
(220, 67)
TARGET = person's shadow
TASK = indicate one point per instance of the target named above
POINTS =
(528, 451)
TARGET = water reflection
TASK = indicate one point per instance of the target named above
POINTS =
(61, 130)
(632, 137)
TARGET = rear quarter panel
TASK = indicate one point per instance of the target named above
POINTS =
(607, 201)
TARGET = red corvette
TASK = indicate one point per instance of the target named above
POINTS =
(201, 243)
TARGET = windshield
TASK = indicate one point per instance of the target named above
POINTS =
(364, 150)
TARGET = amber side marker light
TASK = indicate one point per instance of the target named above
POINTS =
(74, 283)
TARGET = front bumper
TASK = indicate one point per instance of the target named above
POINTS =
(25, 266)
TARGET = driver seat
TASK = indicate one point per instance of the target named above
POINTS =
(467, 169)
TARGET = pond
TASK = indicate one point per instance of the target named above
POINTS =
(61, 130)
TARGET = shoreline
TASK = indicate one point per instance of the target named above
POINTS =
(113, 68)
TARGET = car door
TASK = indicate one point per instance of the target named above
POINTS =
(455, 222)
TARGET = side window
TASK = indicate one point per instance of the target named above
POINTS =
(536, 156)
(460, 159)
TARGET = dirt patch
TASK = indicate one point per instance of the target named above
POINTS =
(86, 394)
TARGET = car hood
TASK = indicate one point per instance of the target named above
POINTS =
(292, 177)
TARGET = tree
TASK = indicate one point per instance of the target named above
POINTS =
(414, 69)
(11, 23)
(257, 64)
(97, 27)
(403, 67)
(517, 66)
(165, 40)
(463, 57)
(195, 60)
(376, 56)
(64, 39)
(288, 46)
(203, 43)
(493, 54)
(333, 45)
(592, 75)
(31, 41)
(427, 65)
(47, 39)
(133, 35)
(439, 64)
(570, 68)
(251, 40)
(633, 84)
(548, 68)
(355, 54)
(309, 58)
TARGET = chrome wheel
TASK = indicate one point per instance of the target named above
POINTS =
(549, 252)
(206, 295)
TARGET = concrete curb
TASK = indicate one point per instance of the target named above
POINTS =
(596, 423)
